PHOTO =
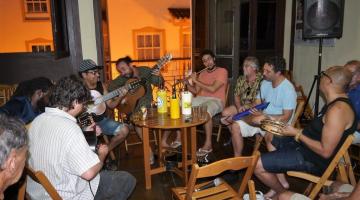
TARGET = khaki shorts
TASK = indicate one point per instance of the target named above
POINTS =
(214, 105)
(248, 130)
(298, 196)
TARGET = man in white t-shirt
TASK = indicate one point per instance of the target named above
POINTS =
(59, 149)
(281, 96)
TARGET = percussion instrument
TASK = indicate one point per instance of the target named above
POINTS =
(273, 126)
(247, 112)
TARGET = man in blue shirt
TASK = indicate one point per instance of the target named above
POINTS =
(276, 90)
(354, 92)
(28, 100)
(281, 95)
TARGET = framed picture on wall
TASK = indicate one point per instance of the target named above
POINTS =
(299, 24)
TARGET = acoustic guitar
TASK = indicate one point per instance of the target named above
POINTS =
(86, 119)
(98, 106)
(130, 101)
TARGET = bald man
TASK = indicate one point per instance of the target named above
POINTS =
(312, 149)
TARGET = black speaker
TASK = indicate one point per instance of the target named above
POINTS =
(323, 18)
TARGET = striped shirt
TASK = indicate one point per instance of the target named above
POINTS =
(59, 149)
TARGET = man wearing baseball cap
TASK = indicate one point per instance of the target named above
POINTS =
(89, 72)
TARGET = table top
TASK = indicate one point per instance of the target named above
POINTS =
(162, 120)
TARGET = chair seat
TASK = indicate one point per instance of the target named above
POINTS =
(222, 191)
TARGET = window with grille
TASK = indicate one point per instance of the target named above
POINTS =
(38, 45)
(40, 48)
(148, 43)
(36, 9)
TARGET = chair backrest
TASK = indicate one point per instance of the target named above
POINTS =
(5, 93)
(218, 167)
(301, 96)
(39, 177)
(298, 110)
(323, 180)
(227, 94)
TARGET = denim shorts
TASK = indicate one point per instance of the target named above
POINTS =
(287, 157)
(109, 126)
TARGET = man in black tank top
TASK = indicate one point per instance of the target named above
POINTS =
(312, 149)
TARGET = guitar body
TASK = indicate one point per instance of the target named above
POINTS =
(129, 102)
(86, 119)
(98, 109)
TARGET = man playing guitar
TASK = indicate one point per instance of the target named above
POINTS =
(127, 73)
(90, 74)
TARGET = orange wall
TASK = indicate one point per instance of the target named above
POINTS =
(127, 15)
(14, 30)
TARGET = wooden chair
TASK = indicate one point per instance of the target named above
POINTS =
(295, 122)
(338, 161)
(222, 191)
(5, 93)
(132, 131)
(218, 124)
(39, 177)
(308, 113)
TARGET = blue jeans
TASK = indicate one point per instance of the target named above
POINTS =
(287, 157)
(115, 185)
(109, 126)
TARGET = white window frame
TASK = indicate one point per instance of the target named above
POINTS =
(40, 15)
(39, 42)
(148, 31)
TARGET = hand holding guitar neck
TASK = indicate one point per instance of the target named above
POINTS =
(247, 112)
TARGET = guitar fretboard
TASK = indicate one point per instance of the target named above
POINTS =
(110, 95)
(118, 92)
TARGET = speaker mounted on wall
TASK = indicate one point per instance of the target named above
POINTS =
(323, 18)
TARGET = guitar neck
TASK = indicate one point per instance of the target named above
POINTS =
(110, 95)
(157, 66)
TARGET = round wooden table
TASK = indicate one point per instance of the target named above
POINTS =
(157, 121)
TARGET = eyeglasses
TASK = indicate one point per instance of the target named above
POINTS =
(323, 73)
(93, 72)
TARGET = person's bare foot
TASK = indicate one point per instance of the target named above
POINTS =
(270, 194)
(166, 145)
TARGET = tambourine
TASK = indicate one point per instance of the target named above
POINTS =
(272, 126)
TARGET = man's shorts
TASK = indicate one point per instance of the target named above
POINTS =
(214, 105)
(287, 157)
(109, 126)
(248, 130)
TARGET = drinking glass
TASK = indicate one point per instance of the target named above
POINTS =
(203, 112)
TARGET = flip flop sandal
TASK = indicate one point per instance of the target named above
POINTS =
(203, 152)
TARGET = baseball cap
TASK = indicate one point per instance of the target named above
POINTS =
(88, 64)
